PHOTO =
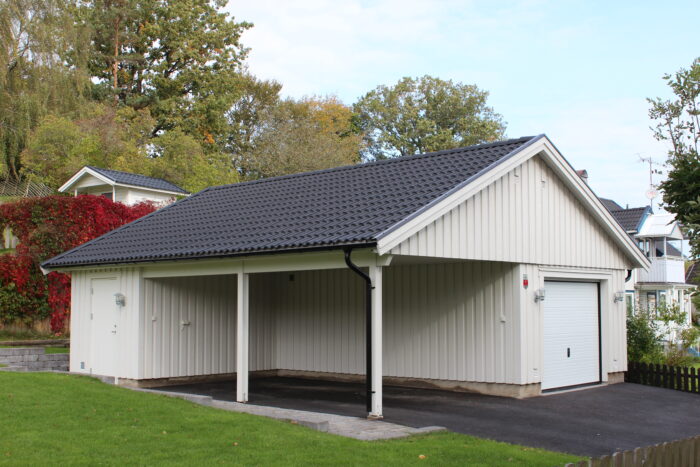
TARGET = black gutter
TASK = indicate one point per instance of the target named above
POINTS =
(368, 325)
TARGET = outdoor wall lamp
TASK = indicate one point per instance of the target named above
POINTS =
(539, 295)
(619, 296)
(119, 299)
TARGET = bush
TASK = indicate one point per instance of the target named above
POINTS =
(45, 228)
(644, 344)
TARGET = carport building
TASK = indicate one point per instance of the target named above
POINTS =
(491, 268)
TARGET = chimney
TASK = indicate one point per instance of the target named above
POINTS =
(583, 174)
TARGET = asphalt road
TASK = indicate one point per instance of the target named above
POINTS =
(592, 422)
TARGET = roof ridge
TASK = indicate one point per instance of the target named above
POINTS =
(629, 209)
(130, 173)
(376, 162)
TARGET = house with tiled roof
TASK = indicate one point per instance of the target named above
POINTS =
(491, 268)
(660, 237)
(123, 187)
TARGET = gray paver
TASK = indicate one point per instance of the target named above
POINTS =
(351, 427)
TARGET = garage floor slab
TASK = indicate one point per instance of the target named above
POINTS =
(590, 422)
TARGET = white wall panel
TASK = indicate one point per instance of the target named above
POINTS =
(455, 321)
(320, 321)
(527, 216)
(207, 345)
(128, 324)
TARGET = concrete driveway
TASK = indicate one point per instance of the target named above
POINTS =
(590, 422)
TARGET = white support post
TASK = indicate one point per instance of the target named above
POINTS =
(242, 338)
(375, 274)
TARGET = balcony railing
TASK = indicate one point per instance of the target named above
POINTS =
(666, 269)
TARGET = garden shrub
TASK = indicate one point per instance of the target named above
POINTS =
(45, 228)
(661, 336)
(644, 344)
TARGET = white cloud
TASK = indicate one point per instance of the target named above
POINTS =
(607, 138)
(551, 67)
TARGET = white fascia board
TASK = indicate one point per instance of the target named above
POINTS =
(85, 170)
(283, 262)
(155, 190)
(545, 149)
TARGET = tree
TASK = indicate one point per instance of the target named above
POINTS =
(425, 114)
(299, 136)
(178, 158)
(181, 59)
(42, 71)
(121, 139)
(678, 122)
(245, 117)
(105, 137)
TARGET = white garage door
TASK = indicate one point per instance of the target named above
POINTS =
(571, 334)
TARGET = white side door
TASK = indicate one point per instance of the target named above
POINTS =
(105, 314)
(571, 334)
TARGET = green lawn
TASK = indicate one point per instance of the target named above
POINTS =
(25, 335)
(67, 420)
(46, 349)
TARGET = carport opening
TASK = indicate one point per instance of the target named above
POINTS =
(302, 324)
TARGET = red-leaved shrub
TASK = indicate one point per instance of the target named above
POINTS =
(45, 228)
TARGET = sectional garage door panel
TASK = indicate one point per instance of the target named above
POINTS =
(571, 334)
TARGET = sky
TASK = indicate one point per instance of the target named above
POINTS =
(578, 71)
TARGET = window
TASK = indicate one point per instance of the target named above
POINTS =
(651, 301)
(108, 195)
(629, 302)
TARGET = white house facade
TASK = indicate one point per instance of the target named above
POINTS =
(491, 268)
(122, 187)
(660, 237)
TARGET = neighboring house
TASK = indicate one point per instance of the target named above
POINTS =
(122, 187)
(660, 237)
(692, 277)
(491, 268)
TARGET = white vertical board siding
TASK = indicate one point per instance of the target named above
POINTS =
(452, 321)
(207, 345)
(455, 321)
(526, 216)
(128, 323)
(613, 317)
(320, 321)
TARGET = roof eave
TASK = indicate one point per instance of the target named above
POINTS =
(47, 268)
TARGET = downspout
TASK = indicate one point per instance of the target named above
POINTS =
(629, 274)
(368, 322)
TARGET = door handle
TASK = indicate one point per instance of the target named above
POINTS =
(568, 352)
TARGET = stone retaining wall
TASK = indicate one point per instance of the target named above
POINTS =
(33, 359)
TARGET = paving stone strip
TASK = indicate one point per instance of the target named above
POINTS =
(351, 427)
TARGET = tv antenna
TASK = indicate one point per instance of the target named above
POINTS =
(652, 192)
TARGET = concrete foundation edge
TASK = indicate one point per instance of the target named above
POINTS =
(616, 378)
(494, 389)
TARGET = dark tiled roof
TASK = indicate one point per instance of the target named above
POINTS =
(670, 249)
(692, 275)
(127, 178)
(630, 219)
(610, 205)
(350, 205)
